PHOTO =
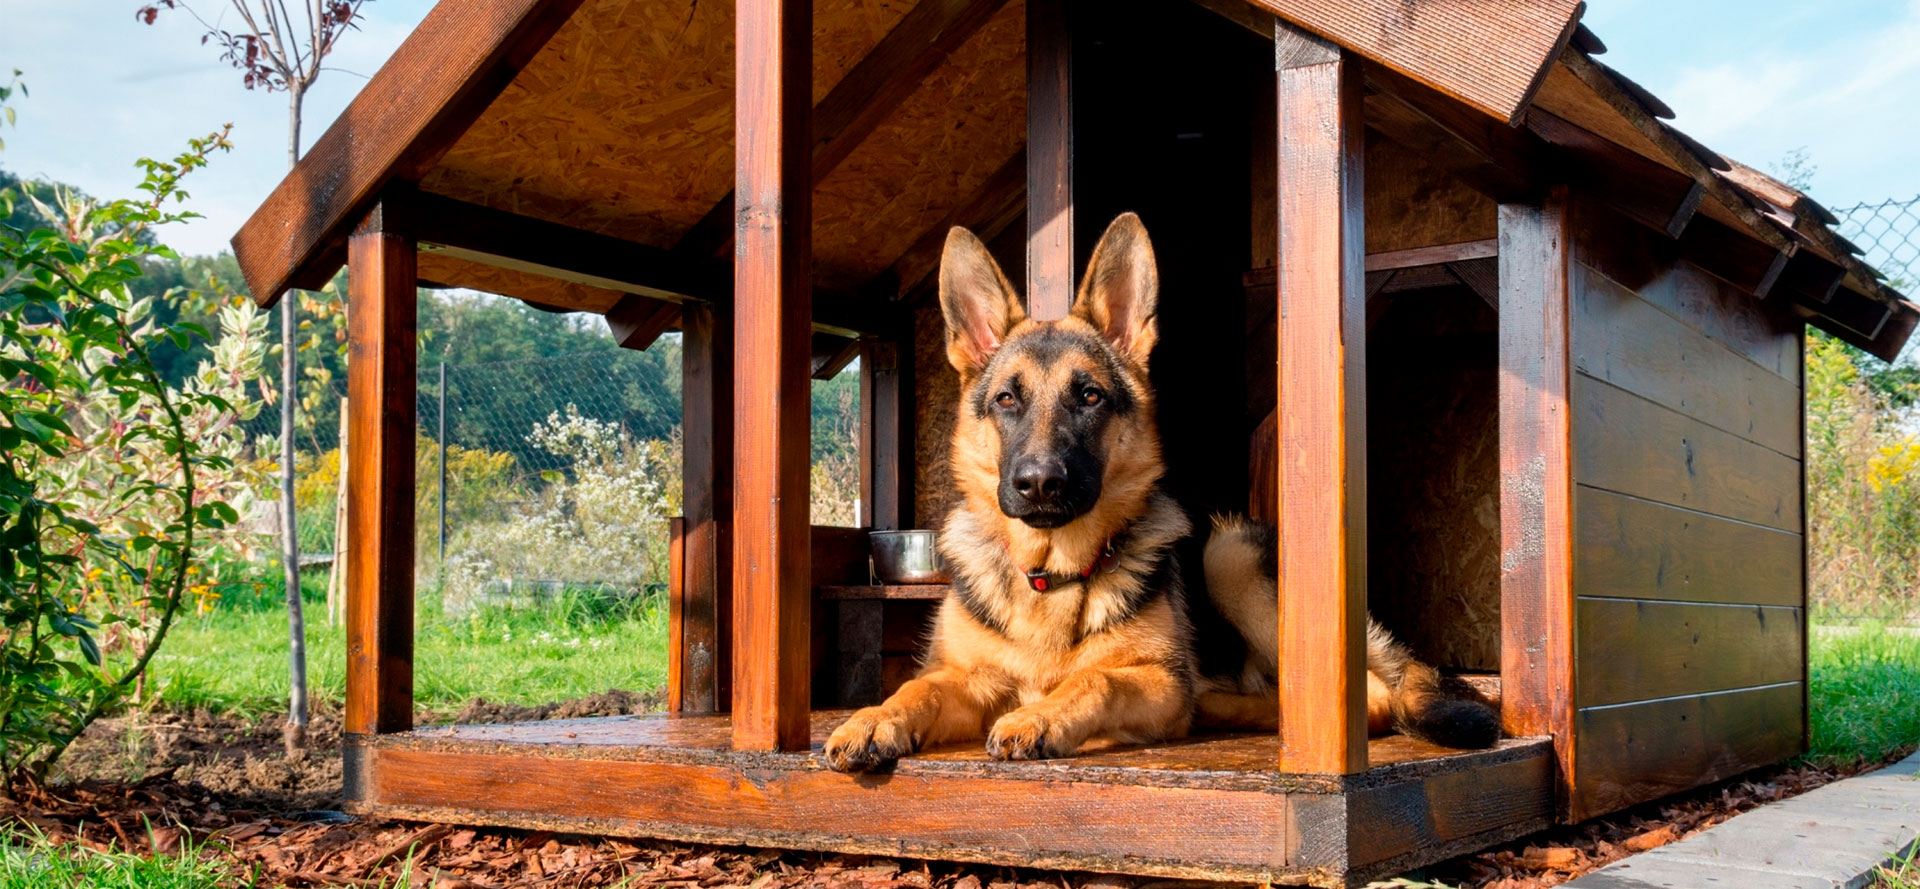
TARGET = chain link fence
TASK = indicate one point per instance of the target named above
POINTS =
(1889, 232)
(544, 474)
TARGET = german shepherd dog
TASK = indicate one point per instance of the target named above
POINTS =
(1068, 621)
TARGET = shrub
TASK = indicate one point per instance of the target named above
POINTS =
(1863, 491)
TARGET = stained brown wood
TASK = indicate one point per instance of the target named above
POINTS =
(676, 613)
(886, 387)
(1636, 752)
(1503, 162)
(1050, 240)
(1436, 255)
(636, 321)
(1724, 253)
(921, 591)
(1629, 445)
(380, 390)
(440, 270)
(706, 483)
(882, 80)
(1390, 826)
(1488, 54)
(1622, 339)
(404, 119)
(1639, 549)
(1536, 465)
(1647, 192)
(1321, 388)
(1638, 650)
(838, 555)
(772, 608)
(1811, 278)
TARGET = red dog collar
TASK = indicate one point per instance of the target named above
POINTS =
(1042, 582)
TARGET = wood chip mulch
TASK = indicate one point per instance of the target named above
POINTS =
(296, 839)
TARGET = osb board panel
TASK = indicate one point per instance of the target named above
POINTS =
(1412, 204)
(960, 126)
(1629, 548)
(1632, 753)
(1629, 342)
(1433, 458)
(623, 124)
(936, 397)
(1487, 53)
(437, 268)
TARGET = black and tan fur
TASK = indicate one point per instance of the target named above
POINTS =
(1056, 457)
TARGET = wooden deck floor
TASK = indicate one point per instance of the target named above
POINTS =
(1207, 807)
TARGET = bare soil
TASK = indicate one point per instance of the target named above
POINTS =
(227, 787)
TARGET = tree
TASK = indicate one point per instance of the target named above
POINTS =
(275, 52)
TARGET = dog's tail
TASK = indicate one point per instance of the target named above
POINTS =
(1411, 697)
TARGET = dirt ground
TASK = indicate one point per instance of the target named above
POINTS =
(226, 787)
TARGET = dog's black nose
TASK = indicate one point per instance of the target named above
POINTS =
(1040, 481)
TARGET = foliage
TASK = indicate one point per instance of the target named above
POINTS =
(835, 474)
(7, 114)
(1863, 490)
(1863, 684)
(601, 521)
(266, 50)
(110, 478)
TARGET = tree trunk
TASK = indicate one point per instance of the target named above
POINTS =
(296, 729)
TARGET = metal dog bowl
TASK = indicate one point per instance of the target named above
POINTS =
(907, 557)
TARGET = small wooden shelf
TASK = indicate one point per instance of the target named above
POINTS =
(907, 591)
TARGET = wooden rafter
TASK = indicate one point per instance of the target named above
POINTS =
(864, 98)
(402, 122)
(1050, 236)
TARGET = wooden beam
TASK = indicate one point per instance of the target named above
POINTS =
(863, 99)
(535, 246)
(1050, 242)
(440, 270)
(772, 600)
(1322, 397)
(1536, 468)
(636, 321)
(402, 122)
(886, 432)
(706, 485)
(380, 410)
(1811, 278)
(1644, 191)
(1749, 265)
(831, 355)
(1442, 253)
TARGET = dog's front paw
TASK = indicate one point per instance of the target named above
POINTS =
(869, 739)
(1024, 734)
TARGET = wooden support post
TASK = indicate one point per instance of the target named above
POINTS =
(1536, 487)
(706, 485)
(1050, 264)
(772, 606)
(886, 392)
(1322, 408)
(380, 389)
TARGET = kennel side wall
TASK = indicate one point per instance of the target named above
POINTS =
(1688, 522)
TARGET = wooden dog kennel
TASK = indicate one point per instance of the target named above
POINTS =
(1573, 333)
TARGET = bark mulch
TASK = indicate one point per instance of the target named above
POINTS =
(225, 787)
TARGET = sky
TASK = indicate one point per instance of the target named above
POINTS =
(1754, 79)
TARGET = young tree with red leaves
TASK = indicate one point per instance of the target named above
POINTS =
(274, 51)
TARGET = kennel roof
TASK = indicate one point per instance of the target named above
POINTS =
(606, 127)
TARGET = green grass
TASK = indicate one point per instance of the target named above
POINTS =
(1901, 874)
(29, 861)
(234, 659)
(1864, 683)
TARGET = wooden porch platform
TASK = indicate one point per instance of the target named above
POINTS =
(1209, 807)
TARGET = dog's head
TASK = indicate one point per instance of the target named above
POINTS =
(1056, 417)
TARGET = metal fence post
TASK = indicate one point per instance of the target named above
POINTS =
(443, 471)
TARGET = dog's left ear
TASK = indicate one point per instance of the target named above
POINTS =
(1121, 292)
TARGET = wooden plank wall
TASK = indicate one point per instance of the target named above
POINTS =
(1685, 403)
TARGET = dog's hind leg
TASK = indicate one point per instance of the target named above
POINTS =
(942, 704)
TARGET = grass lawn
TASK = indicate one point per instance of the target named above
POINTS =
(234, 659)
(1864, 685)
(29, 862)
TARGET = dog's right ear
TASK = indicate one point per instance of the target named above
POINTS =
(979, 305)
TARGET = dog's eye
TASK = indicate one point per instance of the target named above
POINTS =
(1091, 397)
(1004, 399)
